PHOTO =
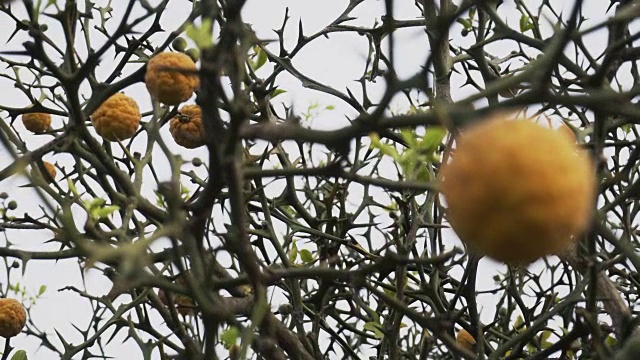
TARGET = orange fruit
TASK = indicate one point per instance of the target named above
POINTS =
(566, 131)
(171, 78)
(13, 317)
(117, 118)
(183, 303)
(51, 169)
(517, 191)
(465, 340)
(37, 123)
(187, 128)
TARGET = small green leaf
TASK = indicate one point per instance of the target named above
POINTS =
(230, 336)
(472, 13)
(72, 187)
(261, 58)
(201, 36)
(525, 23)
(42, 289)
(19, 355)
(385, 149)
(465, 22)
(610, 341)
(306, 256)
(277, 92)
(103, 212)
(519, 324)
(94, 203)
(432, 138)
(293, 252)
(160, 200)
(375, 328)
(544, 339)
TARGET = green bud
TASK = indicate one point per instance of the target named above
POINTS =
(194, 54)
(285, 309)
(179, 44)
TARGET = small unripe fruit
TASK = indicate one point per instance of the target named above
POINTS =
(285, 309)
(179, 44)
(194, 54)
(12, 205)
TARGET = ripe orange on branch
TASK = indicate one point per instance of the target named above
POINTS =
(117, 118)
(517, 191)
(187, 128)
(37, 123)
(51, 169)
(13, 317)
(171, 77)
(183, 303)
(465, 340)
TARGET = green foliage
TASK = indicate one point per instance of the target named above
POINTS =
(25, 296)
(202, 35)
(414, 160)
(306, 256)
(526, 23)
(376, 328)
(230, 336)
(98, 209)
(19, 355)
(258, 59)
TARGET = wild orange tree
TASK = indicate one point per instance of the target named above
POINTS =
(170, 164)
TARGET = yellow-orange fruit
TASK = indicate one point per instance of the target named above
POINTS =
(37, 123)
(13, 317)
(187, 128)
(183, 303)
(465, 340)
(51, 169)
(566, 131)
(517, 191)
(117, 118)
(171, 77)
